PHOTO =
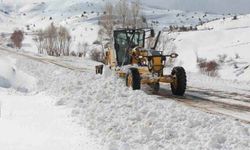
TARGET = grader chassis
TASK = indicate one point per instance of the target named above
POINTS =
(139, 65)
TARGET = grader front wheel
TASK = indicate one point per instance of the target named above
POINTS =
(178, 87)
(133, 79)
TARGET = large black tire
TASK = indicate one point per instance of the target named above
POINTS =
(179, 86)
(133, 79)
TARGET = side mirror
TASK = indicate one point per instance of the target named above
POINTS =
(152, 33)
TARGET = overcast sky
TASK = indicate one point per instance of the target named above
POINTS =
(216, 6)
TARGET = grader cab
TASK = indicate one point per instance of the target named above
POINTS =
(138, 65)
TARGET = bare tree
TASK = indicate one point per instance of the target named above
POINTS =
(55, 40)
(101, 36)
(121, 14)
(64, 41)
(39, 40)
(50, 40)
(107, 19)
(135, 10)
(123, 11)
(17, 38)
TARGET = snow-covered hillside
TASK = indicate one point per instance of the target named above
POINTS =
(69, 13)
(215, 6)
(81, 18)
(222, 37)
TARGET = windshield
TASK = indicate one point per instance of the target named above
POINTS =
(126, 40)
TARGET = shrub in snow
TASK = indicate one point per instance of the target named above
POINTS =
(235, 17)
(222, 58)
(96, 55)
(97, 42)
(237, 56)
(17, 38)
(27, 27)
(11, 45)
(73, 53)
(209, 68)
(82, 49)
(182, 28)
(3, 35)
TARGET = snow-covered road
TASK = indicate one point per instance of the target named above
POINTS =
(233, 101)
(130, 120)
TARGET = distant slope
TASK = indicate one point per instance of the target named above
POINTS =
(214, 6)
(228, 37)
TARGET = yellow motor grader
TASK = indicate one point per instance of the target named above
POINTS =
(139, 65)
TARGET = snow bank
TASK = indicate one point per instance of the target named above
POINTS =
(11, 77)
(32, 122)
(132, 120)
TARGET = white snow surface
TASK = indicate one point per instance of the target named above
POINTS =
(117, 117)
(29, 122)
(30, 119)
(126, 119)
(207, 44)
(217, 38)
(10, 77)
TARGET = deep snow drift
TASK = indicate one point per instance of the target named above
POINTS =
(29, 122)
(10, 77)
(29, 118)
(126, 119)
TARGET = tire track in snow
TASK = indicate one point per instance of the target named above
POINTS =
(195, 97)
(47, 60)
(207, 103)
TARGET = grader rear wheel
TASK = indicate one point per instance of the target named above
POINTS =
(133, 79)
(178, 87)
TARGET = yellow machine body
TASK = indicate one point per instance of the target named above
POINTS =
(145, 73)
(138, 65)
